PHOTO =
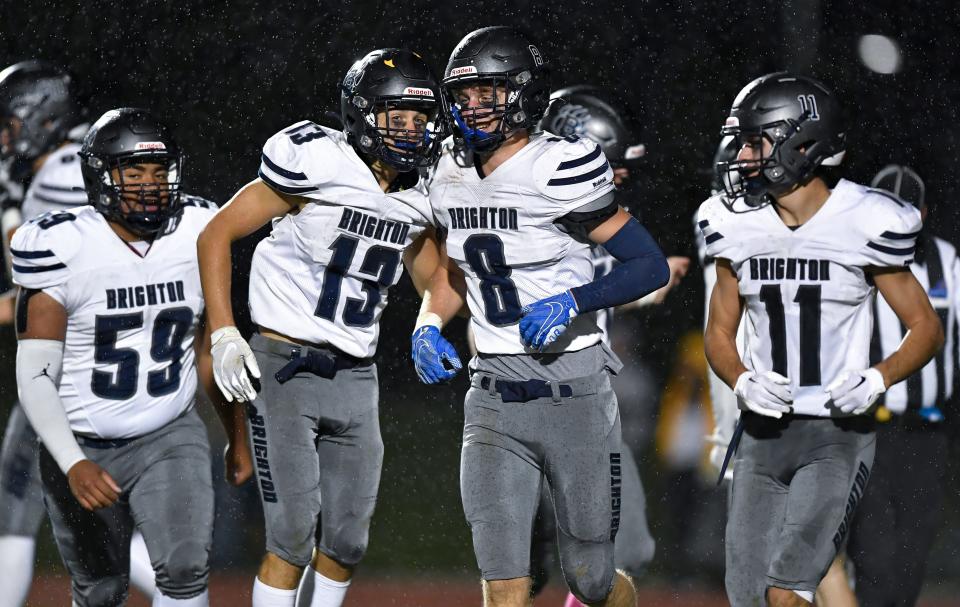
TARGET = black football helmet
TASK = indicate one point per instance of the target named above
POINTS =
(506, 60)
(587, 111)
(37, 109)
(122, 138)
(800, 119)
(726, 152)
(386, 80)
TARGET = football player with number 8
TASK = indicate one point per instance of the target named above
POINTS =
(519, 212)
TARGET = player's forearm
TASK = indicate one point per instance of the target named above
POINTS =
(215, 259)
(39, 363)
(442, 298)
(924, 338)
(720, 348)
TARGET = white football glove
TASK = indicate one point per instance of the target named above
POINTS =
(855, 391)
(767, 393)
(232, 359)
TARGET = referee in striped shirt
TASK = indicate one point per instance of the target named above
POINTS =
(897, 520)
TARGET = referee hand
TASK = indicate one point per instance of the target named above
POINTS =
(93, 486)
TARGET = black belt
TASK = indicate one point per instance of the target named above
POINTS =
(104, 443)
(318, 362)
(525, 391)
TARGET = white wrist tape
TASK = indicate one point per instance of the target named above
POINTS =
(39, 364)
(429, 319)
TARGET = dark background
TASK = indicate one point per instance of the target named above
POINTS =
(228, 75)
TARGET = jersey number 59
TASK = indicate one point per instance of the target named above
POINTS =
(166, 345)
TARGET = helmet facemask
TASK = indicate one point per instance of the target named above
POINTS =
(786, 162)
(145, 207)
(499, 113)
(387, 134)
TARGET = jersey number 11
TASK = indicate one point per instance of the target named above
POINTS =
(808, 296)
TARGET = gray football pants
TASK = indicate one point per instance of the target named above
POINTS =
(21, 494)
(317, 447)
(510, 448)
(796, 485)
(634, 547)
(167, 495)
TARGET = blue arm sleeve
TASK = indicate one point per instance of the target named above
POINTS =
(642, 269)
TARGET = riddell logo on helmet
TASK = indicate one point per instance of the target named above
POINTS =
(150, 145)
(420, 92)
(732, 121)
(460, 71)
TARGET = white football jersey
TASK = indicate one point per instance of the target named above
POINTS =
(128, 360)
(808, 299)
(501, 232)
(57, 186)
(323, 273)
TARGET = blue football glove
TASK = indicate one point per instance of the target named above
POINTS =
(545, 320)
(430, 350)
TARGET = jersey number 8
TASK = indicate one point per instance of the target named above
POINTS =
(501, 303)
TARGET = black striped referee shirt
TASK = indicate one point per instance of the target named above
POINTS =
(937, 268)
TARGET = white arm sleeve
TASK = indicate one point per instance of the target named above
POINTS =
(39, 364)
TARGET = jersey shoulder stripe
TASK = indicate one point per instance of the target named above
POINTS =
(32, 254)
(572, 171)
(42, 248)
(891, 250)
(572, 164)
(286, 189)
(279, 170)
(300, 158)
(583, 177)
(888, 226)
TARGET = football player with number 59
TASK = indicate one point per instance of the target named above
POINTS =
(108, 317)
